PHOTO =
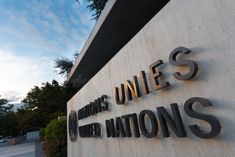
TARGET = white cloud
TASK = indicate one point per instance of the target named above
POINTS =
(38, 30)
(19, 74)
(56, 34)
(26, 32)
(55, 22)
(85, 19)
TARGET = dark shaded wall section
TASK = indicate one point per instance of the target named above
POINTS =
(123, 21)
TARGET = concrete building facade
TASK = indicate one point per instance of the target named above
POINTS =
(203, 27)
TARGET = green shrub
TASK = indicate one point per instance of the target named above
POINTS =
(56, 138)
(42, 134)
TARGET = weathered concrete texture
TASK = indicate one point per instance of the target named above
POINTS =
(207, 28)
(39, 149)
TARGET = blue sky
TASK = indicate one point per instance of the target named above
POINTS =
(33, 33)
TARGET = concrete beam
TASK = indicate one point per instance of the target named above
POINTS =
(119, 22)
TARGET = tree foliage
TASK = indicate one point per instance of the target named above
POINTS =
(64, 65)
(5, 107)
(56, 129)
(96, 6)
(56, 138)
(47, 98)
(8, 119)
(42, 104)
(31, 120)
(9, 124)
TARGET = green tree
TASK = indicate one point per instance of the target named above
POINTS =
(48, 98)
(8, 119)
(31, 120)
(9, 124)
(42, 104)
(97, 6)
(64, 65)
(5, 107)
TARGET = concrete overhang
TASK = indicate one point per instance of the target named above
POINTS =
(119, 22)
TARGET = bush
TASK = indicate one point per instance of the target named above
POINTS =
(56, 138)
(42, 134)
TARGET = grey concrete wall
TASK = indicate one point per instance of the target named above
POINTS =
(207, 28)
